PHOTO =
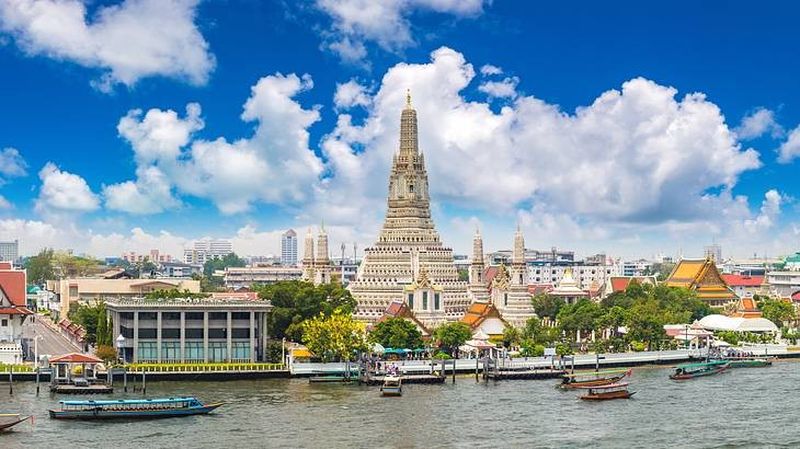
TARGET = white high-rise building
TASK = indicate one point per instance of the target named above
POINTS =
(9, 251)
(289, 248)
(207, 249)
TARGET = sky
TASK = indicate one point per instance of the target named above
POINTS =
(634, 129)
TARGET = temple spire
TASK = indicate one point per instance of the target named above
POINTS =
(408, 99)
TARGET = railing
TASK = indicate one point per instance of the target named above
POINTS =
(203, 367)
(16, 368)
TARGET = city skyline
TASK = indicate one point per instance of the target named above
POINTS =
(224, 130)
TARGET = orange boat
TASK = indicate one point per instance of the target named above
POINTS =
(593, 379)
(608, 392)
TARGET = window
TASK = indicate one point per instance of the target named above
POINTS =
(170, 350)
(505, 299)
(4, 323)
(240, 333)
(410, 300)
(218, 332)
(147, 332)
(217, 315)
(147, 350)
(194, 316)
(170, 333)
(73, 291)
(424, 300)
(240, 350)
(240, 315)
(126, 332)
(171, 316)
(436, 305)
(194, 333)
(194, 351)
(126, 315)
(217, 351)
(148, 316)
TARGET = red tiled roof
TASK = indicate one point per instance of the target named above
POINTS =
(619, 284)
(796, 296)
(742, 280)
(5, 265)
(15, 311)
(74, 357)
(12, 283)
(535, 289)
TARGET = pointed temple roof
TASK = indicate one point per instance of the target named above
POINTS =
(478, 312)
(701, 276)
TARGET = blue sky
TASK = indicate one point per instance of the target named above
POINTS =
(636, 173)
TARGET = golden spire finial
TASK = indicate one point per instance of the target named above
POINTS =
(408, 98)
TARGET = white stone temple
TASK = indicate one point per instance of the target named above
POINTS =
(509, 289)
(409, 263)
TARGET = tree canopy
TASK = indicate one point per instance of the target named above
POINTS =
(396, 333)
(547, 306)
(334, 337)
(296, 301)
(776, 310)
(450, 336)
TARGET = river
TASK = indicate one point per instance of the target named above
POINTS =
(740, 408)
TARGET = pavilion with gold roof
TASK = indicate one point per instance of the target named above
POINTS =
(702, 277)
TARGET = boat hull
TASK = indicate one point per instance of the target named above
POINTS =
(608, 396)
(392, 391)
(687, 376)
(750, 363)
(9, 420)
(132, 414)
(582, 384)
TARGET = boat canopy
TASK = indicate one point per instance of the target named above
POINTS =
(702, 364)
(130, 401)
(717, 322)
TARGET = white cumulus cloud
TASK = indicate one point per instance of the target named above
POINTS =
(507, 88)
(128, 41)
(274, 165)
(350, 94)
(386, 23)
(758, 123)
(64, 191)
(790, 148)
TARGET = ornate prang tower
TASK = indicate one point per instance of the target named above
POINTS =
(477, 284)
(511, 295)
(308, 257)
(322, 264)
(408, 262)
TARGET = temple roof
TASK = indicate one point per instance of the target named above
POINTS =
(701, 276)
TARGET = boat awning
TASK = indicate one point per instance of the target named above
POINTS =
(76, 358)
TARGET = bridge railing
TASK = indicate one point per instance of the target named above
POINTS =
(203, 367)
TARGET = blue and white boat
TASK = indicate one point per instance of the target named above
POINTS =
(132, 408)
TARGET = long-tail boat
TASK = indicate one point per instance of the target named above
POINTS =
(132, 408)
(749, 362)
(9, 420)
(692, 370)
(607, 392)
(592, 379)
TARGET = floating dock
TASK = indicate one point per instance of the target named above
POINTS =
(74, 389)
(524, 374)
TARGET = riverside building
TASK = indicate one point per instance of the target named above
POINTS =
(190, 330)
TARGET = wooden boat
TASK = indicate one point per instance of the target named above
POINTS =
(692, 370)
(392, 385)
(592, 379)
(749, 362)
(132, 408)
(9, 420)
(607, 392)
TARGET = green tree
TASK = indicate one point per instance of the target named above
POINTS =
(174, 293)
(777, 310)
(334, 337)
(463, 274)
(580, 316)
(547, 305)
(230, 260)
(107, 353)
(296, 301)
(103, 333)
(88, 317)
(450, 336)
(40, 267)
(396, 333)
(511, 337)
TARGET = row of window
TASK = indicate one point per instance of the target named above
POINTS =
(174, 333)
(436, 301)
(171, 351)
(189, 316)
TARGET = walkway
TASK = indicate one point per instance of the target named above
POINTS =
(51, 342)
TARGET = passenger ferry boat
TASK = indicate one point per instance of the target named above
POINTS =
(132, 408)
(392, 385)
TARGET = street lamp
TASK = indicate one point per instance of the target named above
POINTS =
(120, 346)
